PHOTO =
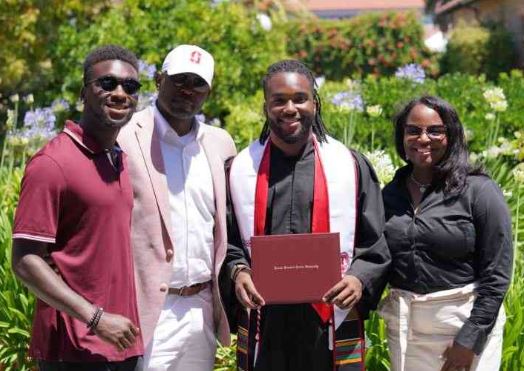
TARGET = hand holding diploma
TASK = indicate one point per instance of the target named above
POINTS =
(345, 294)
(246, 292)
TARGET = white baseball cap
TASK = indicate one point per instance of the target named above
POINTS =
(190, 59)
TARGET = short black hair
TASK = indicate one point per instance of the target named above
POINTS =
(107, 53)
(292, 65)
(451, 172)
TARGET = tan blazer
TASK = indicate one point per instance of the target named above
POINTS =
(151, 232)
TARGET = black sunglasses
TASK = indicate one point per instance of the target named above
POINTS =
(110, 83)
(189, 81)
(434, 132)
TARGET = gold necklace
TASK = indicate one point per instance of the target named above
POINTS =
(421, 186)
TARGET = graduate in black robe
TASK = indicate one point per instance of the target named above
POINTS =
(293, 336)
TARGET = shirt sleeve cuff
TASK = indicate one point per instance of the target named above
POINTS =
(364, 279)
(471, 337)
(27, 236)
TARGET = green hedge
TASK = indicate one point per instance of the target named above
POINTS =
(368, 44)
(16, 304)
(370, 117)
(476, 49)
(373, 43)
(151, 28)
(373, 46)
(29, 27)
(465, 92)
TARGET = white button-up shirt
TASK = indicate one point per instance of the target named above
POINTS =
(191, 202)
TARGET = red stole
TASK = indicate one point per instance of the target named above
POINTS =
(320, 214)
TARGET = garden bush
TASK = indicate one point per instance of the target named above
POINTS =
(231, 33)
(477, 49)
(16, 304)
(29, 27)
(242, 48)
(345, 107)
(376, 43)
(357, 112)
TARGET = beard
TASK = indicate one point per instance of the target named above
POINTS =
(108, 122)
(117, 124)
(299, 135)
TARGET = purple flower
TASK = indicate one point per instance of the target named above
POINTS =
(39, 123)
(348, 100)
(40, 117)
(148, 70)
(59, 105)
(412, 71)
(29, 118)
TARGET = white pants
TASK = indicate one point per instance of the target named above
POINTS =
(184, 337)
(421, 327)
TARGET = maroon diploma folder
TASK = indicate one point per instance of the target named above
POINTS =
(295, 268)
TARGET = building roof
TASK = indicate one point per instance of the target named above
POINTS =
(323, 5)
(443, 6)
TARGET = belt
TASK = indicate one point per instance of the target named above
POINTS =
(188, 290)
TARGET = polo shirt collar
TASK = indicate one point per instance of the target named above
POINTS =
(77, 133)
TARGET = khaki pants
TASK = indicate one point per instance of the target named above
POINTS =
(421, 327)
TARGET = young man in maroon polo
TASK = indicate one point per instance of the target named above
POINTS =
(75, 209)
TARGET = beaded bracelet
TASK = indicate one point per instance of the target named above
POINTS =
(97, 319)
(93, 322)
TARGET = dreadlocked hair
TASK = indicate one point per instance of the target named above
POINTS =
(292, 65)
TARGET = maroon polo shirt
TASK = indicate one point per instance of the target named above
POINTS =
(73, 198)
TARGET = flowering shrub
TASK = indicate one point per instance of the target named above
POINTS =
(241, 46)
(348, 108)
(363, 107)
(518, 173)
(348, 101)
(412, 72)
(374, 111)
(146, 70)
(386, 49)
(383, 166)
(476, 49)
(39, 125)
(497, 101)
(371, 43)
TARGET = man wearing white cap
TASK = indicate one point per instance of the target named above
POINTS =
(179, 227)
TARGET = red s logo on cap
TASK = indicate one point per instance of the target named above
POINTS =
(195, 57)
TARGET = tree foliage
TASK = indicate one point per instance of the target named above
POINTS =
(476, 49)
(29, 28)
(151, 28)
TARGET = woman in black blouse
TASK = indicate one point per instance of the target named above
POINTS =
(449, 232)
